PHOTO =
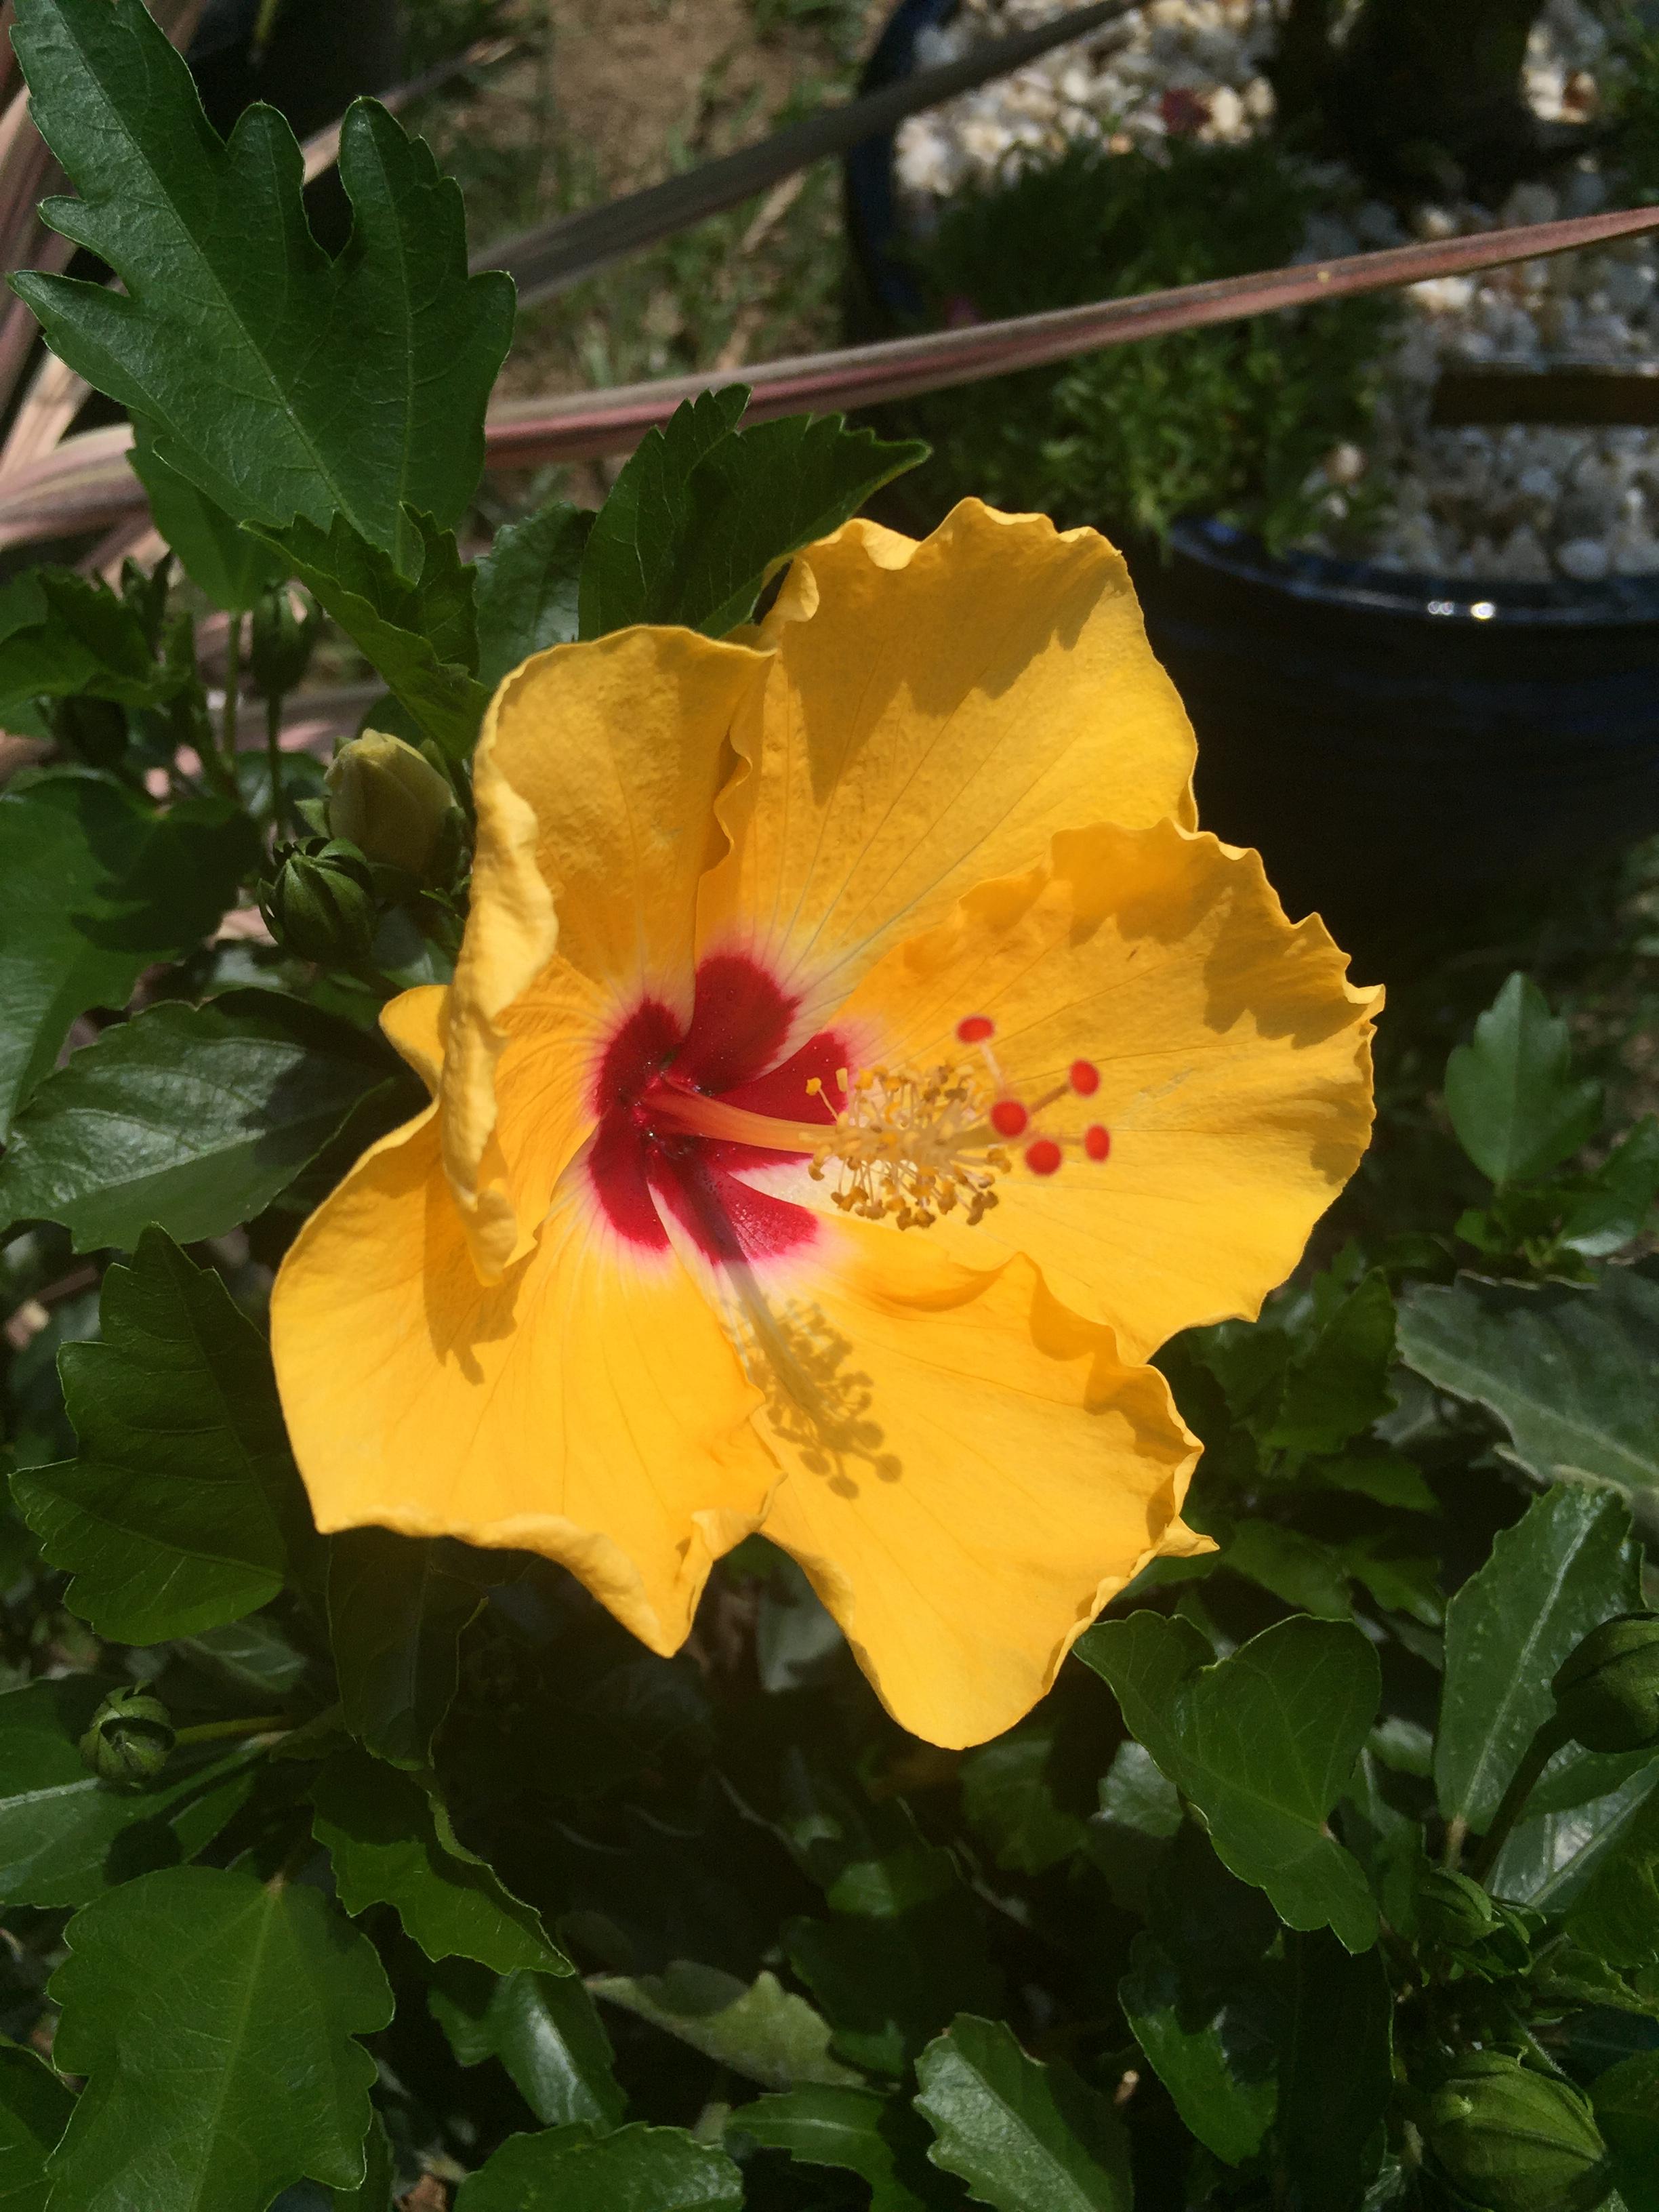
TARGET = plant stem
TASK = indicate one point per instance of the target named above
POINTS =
(274, 761)
(233, 691)
(1539, 1753)
(215, 1731)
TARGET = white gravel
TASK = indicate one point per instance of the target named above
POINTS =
(1518, 503)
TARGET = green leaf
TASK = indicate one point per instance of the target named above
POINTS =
(526, 588)
(65, 1836)
(1261, 1744)
(192, 1117)
(1552, 1856)
(1139, 1812)
(1336, 2074)
(1008, 1796)
(395, 1619)
(1209, 2056)
(638, 2169)
(220, 557)
(703, 511)
(1626, 2102)
(1297, 1569)
(759, 2030)
(1617, 1914)
(278, 382)
(75, 638)
(95, 888)
(1572, 1372)
(1336, 1382)
(266, 2085)
(1515, 1104)
(1565, 1567)
(172, 1520)
(375, 2193)
(34, 2110)
(392, 1844)
(421, 636)
(546, 2032)
(1023, 2136)
(1614, 1210)
(859, 2130)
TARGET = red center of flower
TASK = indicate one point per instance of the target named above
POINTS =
(644, 1163)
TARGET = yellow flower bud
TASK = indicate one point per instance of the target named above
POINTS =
(388, 801)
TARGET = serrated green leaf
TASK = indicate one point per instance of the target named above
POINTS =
(1261, 1744)
(859, 2130)
(395, 1618)
(229, 563)
(79, 638)
(1008, 1796)
(1023, 2136)
(1139, 1812)
(279, 382)
(546, 2032)
(1626, 2102)
(391, 1843)
(266, 2086)
(34, 2110)
(703, 511)
(172, 1520)
(1211, 2058)
(1565, 1567)
(375, 2195)
(760, 2029)
(1336, 1382)
(1571, 1371)
(1298, 1569)
(95, 888)
(1515, 1102)
(1336, 2075)
(421, 637)
(526, 588)
(637, 2169)
(194, 1118)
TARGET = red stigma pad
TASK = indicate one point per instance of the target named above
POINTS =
(975, 1029)
(1085, 1077)
(1043, 1156)
(1097, 1141)
(1009, 1118)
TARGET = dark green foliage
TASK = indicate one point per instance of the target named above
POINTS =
(1227, 422)
(621, 2172)
(528, 585)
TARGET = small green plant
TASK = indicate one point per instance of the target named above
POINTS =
(1232, 422)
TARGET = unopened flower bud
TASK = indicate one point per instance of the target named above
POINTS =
(1453, 1908)
(129, 1739)
(1517, 2141)
(1608, 1691)
(280, 641)
(388, 799)
(322, 906)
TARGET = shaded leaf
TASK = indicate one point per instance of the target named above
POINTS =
(1261, 1744)
(703, 511)
(1615, 1208)
(1336, 2075)
(1616, 1916)
(63, 635)
(421, 636)
(1626, 2101)
(1515, 1102)
(1139, 1812)
(859, 2130)
(1336, 1382)
(1572, 1372)
(761, 2030)
(392, 1844)
(546, 2032)
(1566, 1565)
(279, 382)
(1209, 2056)
(1008, 1796)
(229, 563)
(268, 2086)
(638, 2169)
(171, 1519)
(193, 1117)
(395, 1620)
(1550, 1857)
(1299, 1570)
(526, 588)
(95, 888)
(34, 2110)
(1023, 2136)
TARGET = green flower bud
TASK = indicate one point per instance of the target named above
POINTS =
(129, 1739)
(1515, 2141)
(1453, 1908)
(388, 799)
(322, 906)
(1608, 1691)
(280, 641)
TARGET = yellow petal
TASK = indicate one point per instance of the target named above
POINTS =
(595, 779)
(932, 715)
(971, 1472)
(588, 1406)
(1234, 1059)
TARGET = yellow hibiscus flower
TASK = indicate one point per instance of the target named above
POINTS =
(857, 1064)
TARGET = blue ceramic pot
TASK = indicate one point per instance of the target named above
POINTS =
(1400, 749)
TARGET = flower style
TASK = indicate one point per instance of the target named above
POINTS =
(858, 1063)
